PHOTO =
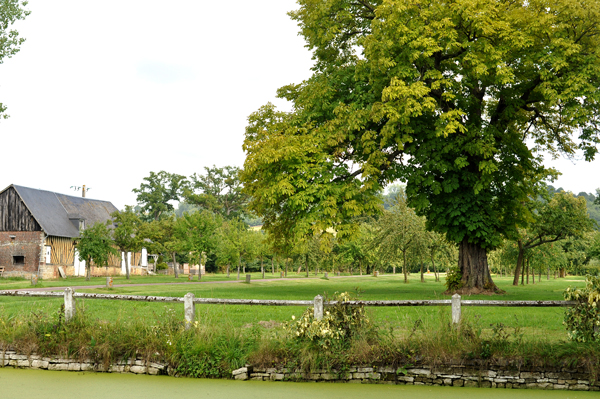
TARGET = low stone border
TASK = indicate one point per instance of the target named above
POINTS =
(454, 375)
(492, 376)
(137, 366)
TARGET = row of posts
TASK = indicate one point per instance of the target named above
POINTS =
(190, 307)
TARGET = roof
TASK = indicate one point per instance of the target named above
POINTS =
(59, 214)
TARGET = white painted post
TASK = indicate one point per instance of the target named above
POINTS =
(34, 279)
(325, 275)
(248, 276)
(69, 304)
(189, 309)
(109, 282)
(455, 309)
(318, 307)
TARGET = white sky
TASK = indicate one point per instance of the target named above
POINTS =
(104, 92)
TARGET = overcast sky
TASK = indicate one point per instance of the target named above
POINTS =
(104, 92)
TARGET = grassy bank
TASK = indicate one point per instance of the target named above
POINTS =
(226, 337)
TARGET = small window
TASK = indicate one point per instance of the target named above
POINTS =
(18, 260)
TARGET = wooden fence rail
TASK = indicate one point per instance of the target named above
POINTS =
(190, 300)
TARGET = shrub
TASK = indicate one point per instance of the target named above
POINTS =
(340, 322)
(454, 279)
(583, 320)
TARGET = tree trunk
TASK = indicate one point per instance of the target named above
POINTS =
(360, 267)
(239, 267)
(88, 270)
(404, 267)
(306, 264)
(548, 276)
(532, 275)
(527, 271)
(262, 268)
(394, 268)
(285, 264)
(126, 265)
(175, 268)
(519, 263)
(272, 267)
(228, 271)
(422, 276)
(435, 273)
(472, 260)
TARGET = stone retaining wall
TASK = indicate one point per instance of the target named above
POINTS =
(454, 375)
(472, 375)
(137, 366)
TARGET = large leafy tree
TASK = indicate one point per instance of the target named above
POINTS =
(10, 12)
(157, 192)
(456, 98)
(218, 190)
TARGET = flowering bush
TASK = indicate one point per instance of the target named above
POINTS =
(340, 322)
(583, 320)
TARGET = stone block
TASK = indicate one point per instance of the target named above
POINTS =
(87, 367)
(560, 386)
(373, 376)
(279, 377)
(328, 376)
(243, 370)
(579, 387)
(358, 375)
(419, 371)
(470, 383)
(39, 364)
(458, 383)
(138, 369)
(256, 378)
(152, 370)
(58, 366)
(242, 376)
(406, 378)
(74, 367)
(22, 363)
(18, 357)
(365, 369)
(447, 381)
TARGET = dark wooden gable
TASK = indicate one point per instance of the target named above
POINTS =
(14, 215)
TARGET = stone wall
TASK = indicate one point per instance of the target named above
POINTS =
(137, 366)
(452, 375)
(469, 375)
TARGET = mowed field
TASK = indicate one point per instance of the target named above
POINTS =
(534, 323)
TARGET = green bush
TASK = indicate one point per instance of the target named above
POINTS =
(583, 320)
(340, 323)
(161, 266)
(454, 279)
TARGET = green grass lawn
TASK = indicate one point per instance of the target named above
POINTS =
(534, 322)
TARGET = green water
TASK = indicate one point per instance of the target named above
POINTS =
(34, 384)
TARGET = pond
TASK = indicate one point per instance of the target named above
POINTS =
(42, 384)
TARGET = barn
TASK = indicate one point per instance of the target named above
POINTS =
(37, 229)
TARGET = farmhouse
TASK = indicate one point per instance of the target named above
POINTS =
(37, 229)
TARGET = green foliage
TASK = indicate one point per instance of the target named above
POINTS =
(339, 324)
(95, 244)
(11, 11)
(583, 320)
(454, 279)
(156, 192)
(457, 99)
(219, 191)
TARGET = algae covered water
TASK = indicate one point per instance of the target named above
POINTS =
(41, 384)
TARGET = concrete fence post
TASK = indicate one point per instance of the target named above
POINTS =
(455, 309)
(318, 307)
(325, 275)
(109, 282)
(69, 304)
(189, 309)
(248, 277)
(34, 279)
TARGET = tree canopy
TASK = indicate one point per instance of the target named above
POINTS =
(455, 98)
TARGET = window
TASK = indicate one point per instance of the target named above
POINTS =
(18, 260)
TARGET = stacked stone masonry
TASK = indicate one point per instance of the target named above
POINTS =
(454, 375)
(494, 376)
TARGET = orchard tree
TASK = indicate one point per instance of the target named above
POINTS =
(562, 217)
(95, 244)
(456, 98)
(157, 191)
(126, 234)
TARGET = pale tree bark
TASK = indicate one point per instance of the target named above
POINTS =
(175, 268)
